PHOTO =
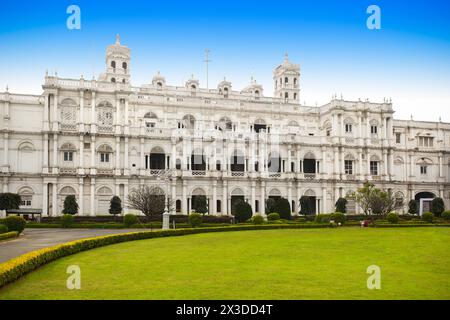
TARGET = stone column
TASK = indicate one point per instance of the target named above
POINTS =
(81, 111)
(126, 164)
(117, 164)
(6, 149)
(262, 205)
(441, 171)
(174, 154)
(214, 198)
(55, 200)
(225, 197)
(184, 210)
(46, 115)
(125, 198)
(142, 162)
(45, 160)
(92, 210)
(385, 160)
(55, 112)
(81, 197)
(55, 152)
(253, 196)
(93, 114)
(93, 157)
(324, 200)
(290, 195)
(45, 199)
(81, 153)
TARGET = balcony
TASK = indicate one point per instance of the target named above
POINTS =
(105, 172)
(68, 171)
(105, 129)
(309, 176)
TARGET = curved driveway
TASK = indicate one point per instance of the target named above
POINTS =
(34, 239)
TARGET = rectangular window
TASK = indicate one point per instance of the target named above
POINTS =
(373, 129)
(104, 157)
(68, 156)
(348, 128)
(348, 166)
(374, 168)
(398, 138)
(423, 170)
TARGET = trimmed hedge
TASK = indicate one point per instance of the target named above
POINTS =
(3, 229)
(15, 223)
(428, 217)
(273, 216)
(17, 267)
(8, 235)
(195, 220)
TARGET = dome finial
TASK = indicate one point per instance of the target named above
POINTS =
(286, 56)
(118, 39)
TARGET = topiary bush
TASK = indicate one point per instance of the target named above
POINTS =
(338, 217)
(70, 205)
(15, 223)
(283, 208)
(130, 219)
(258, 219)
(67, 220)
(437, 206)
(341, 205)
(9, 201)
(115, 205)
(446, 215)
(273, 216)
(305, 206)
(3, 229)
(413, 207)
(392, 217)
(243, 211)
(428, 217)
(195, 220)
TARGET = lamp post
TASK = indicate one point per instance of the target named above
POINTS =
(166, 175)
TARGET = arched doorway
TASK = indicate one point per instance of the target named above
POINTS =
(157, 159)
(424, 200)
(237, 195)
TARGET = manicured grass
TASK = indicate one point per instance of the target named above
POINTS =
(273, 264)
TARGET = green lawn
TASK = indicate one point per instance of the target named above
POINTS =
(273, 264)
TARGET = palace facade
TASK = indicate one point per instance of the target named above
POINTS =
(103, 137)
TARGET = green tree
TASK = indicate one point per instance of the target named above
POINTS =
(305, 206)
(115, 205)
(341, 205)
(243, 211)
(283, 208)
(70, 205)
(413, 207)
(375, 201)
(200, 204)
(9, 201)
(437, 206)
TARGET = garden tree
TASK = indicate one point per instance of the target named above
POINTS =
(341, 205)
(305, 206)
(70, 205)
(115, 205)
(242, 211)
(375, 201)
(9, 201)
(283, 208)
(413, 207)
(149, 199)
(437, 206)
(200, 204)
(270, 205)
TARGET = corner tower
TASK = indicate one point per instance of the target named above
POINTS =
(117, 63)
(286, 79)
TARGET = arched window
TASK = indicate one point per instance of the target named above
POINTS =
(124, 65)
(68, 112)
(286, 95)
(159, 85)
(225, 124)
(188, 121)
(123, 80)
(113, 64)
(286, 80)
(105, 114)
(295, 96)
(295, 81)
(113, 80)
(26, 197)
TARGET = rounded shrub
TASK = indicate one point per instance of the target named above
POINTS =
(446, 215)
(283, 208)
(392, 217)
(129, 220)
(258, 219)
(195, 219)
(273, 216)
(437, 206)
(15, 223)
(3, 228)
(338, 217)
(70, 205)
(67, 220)
(243, 211)
(428, 217)
(341, 205)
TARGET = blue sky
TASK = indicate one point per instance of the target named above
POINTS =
(408, 59)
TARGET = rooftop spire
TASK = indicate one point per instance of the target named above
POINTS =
(286, 57)
(118, 39)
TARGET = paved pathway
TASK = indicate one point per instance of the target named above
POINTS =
(34, 239)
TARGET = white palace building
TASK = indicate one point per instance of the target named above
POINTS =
(99, 138)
